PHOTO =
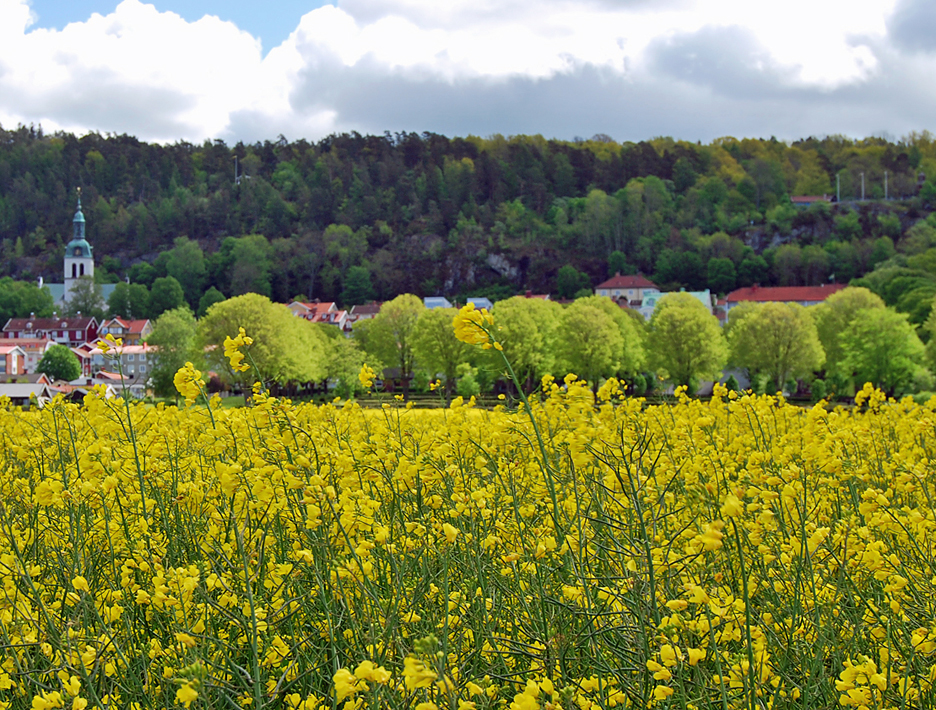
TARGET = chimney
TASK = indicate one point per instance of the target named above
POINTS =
(528, 294)
(755, 287)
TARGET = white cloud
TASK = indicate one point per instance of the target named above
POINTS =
(153, 74)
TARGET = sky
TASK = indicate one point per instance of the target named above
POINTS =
(200, 70)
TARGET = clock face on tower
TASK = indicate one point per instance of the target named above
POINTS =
(77, 251)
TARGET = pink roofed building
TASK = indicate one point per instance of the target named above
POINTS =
(33, 349)
(12, 360)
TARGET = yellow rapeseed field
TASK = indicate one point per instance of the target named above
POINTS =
(736, 553)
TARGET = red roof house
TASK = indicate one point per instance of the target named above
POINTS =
(70, 331)
(631, 287)
(803, 295)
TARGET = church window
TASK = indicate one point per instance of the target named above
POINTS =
(74, 271)
(81, 270)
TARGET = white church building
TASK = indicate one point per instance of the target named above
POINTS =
(79, 262)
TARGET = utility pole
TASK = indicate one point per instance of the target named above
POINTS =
(862, 187)
(885, 184)
(838, 188)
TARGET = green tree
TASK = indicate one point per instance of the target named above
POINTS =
(285, 348)
(589, 342)
(173, 338)
(777, 340)
(631, 358)
(18, 299)
(848, 225)
(436, 347)
(836, 315)
(118, 303)
(686, 343)
(569, 281)
(722, 276)
(139, 301)
(165, 295)
(618, 264)
(86, 299)
(527, 328)
(882, 347)
(186, 264)
(357, 286)
(390, 334)
(753, 270)
(344, 360)
(60, 363)
(208, 299)
(142, 273)
(250, 268)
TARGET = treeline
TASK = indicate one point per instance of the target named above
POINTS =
(830, 349)
(355, 217)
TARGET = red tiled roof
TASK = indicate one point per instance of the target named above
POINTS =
(632, 281)
(132, 326)
(783, 294)
(78, 323)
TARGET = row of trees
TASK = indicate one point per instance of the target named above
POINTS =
(851, 338)
(353, 217)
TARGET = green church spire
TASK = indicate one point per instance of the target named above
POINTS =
(79, 221)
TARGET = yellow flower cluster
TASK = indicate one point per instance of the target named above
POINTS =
(232, 351)
(735, 553)
(475, 327)
(367, 376)
(188, 382)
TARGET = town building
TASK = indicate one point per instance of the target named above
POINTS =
(12, 360)
(135, 360)
(70, 331)
(436, 302)
(132, 332)
(318, 312)
(650, 301)
(33, 350)
(480, 302)
(27, 394)
(803, 295)
(630, 288)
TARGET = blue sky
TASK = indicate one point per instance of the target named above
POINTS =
(630, 69)
(270, 21)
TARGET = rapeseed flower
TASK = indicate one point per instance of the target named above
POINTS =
(188, 383)
(233, 353)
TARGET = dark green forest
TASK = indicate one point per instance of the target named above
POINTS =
(352, 217)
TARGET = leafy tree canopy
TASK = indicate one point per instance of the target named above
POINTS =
(60, 363)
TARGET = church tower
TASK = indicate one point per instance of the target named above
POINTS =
(78, 259)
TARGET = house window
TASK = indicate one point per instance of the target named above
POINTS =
(142, 369)
(129, 358)
(142, 357)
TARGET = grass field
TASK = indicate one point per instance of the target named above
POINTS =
(737, 553)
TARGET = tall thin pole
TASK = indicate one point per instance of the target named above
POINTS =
(885, 184)
(838, 187)
(862, 187)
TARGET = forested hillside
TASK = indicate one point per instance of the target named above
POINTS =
(354, 217)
